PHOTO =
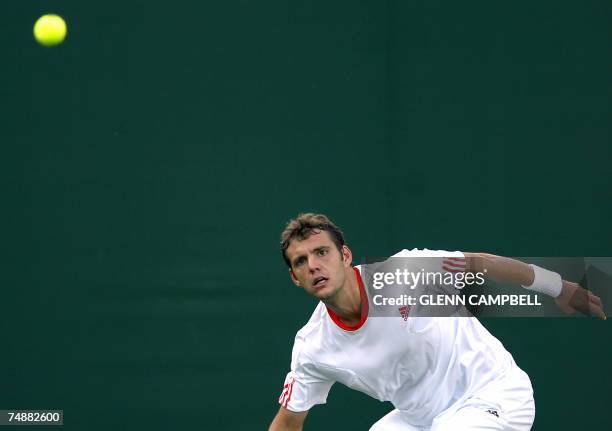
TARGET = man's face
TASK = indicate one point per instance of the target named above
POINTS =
(317, 265)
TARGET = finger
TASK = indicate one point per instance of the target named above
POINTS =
(596, 306)
(595, 299)
(596, 310)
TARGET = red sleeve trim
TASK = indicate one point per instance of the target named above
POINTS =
(290, 392)
(285, 396)
(364, 308)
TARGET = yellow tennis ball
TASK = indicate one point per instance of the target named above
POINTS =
(50, 30)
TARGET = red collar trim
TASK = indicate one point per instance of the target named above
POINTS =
(364, 308)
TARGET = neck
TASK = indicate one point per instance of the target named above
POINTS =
(347, 302)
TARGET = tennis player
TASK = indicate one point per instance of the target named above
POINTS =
(440, 373)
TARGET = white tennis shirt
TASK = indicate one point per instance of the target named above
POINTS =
(422, 365)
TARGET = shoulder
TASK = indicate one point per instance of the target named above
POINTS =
(309, 335)
(425, 252)
(311, 329)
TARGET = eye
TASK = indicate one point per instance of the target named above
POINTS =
(299, 262)
(322, 252)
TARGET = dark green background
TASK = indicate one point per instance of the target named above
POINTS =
(150, 162)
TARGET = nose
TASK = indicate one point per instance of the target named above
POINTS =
(313, 264)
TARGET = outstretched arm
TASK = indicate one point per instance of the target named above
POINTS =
(571, 297)
(286, 420)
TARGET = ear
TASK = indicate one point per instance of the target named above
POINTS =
(347, 256)
(293, 278)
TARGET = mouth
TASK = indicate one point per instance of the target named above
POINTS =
(319, 282)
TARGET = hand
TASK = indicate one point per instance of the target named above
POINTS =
(574, 298)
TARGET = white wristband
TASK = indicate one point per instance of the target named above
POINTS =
(545, 281)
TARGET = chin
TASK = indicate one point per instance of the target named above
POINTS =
(325, 293)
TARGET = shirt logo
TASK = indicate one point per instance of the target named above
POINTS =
(404, 312)
(493, 412)
(454, 264)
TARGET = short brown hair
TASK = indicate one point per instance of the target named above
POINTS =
(306, 224)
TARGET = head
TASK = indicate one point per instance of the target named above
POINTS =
(314, 250)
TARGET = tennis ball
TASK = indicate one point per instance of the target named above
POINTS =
(50, 30)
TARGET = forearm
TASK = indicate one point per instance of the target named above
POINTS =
(570, 297)
(500, 269)
(280, 424)
(286, 420)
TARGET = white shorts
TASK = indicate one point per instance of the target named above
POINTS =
(505, 405)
